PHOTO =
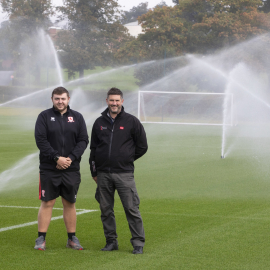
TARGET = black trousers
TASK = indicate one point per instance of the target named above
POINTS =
(124, 183)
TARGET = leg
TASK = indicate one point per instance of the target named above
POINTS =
(69, 189)
(48, 192)
(44, 215)
(105, 197)
(127, 191)
(69, 214)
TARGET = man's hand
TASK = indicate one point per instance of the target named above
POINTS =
(63, 163)
(58, 167)
(95, 178)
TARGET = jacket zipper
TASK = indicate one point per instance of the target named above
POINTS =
(110, 148)
(63, 137)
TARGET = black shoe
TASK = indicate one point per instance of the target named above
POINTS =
(138, 250)
(110, 246)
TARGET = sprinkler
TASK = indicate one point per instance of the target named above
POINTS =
(222, 157)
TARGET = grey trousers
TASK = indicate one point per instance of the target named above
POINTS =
(124, 183)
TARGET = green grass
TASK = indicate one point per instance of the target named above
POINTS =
(199, 211)
(123, 79)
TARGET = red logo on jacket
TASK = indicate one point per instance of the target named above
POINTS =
(121, 127)
(70, 119)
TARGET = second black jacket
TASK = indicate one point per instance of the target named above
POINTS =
(115, 146)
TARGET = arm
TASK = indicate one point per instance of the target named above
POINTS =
(93, 146)
(45, 147)
(82, 141)
(41, 139)
(140, 140)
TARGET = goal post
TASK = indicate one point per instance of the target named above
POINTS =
(186, 108)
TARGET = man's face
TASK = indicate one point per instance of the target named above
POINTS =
(60, 102)
(114, 104)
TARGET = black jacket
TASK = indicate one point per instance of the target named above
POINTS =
(63, 135)
(114, 146)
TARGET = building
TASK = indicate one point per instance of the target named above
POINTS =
(134, 28)
(52, 31)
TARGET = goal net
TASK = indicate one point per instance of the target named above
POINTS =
(189, 108)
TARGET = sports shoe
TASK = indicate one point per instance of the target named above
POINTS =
(110, 246)
(138, 250)
(40, 243)
(74, 243)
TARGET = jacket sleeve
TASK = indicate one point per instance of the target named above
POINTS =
(82, 141)
(140, 140)
(93, 145)
(41, 138)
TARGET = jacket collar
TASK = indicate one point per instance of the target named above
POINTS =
(104, 113)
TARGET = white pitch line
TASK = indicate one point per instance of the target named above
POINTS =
(35, 222)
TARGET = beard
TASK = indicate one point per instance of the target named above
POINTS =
(113, 110)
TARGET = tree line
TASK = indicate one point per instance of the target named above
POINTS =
(95, 34)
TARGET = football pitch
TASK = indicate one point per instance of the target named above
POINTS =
(199, 211)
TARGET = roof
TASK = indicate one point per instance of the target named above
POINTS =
(136, 23)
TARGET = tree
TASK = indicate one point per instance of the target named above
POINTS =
(31, 14)
(94, 34)
(133, 14)
(167, 32)
(161, 4)
(195, 26)
(231, 24)
(26, 18)
(164, 35)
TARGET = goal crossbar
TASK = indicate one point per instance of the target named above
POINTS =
(185, 93)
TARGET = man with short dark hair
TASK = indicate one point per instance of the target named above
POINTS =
(118, 139)
(61, 137)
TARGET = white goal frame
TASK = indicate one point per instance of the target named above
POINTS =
(230, 95)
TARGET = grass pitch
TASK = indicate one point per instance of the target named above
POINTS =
(199, 211)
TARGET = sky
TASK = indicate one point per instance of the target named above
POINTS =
(125, 4)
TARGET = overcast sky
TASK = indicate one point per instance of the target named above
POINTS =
(125, 4)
